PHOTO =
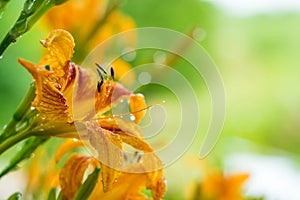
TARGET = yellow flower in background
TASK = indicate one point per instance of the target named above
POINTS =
(55, 78)
(212, 183)
(41, 179)
(77, 17)
(92, 22)
(217, 186)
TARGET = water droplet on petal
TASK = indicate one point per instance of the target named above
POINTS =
(1, 57)
(132, 117)
(43, 116)
(32, 108)
(58, 86)
(70, 119)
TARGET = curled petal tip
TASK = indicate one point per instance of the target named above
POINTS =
(27, 64)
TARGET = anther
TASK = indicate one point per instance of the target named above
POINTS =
(99, 85)
(112, 73)
(101, 68)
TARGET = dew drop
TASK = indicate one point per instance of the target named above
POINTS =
(20, 126)
(43, 116)
(132, 117)
(32, 108)
(75, 140)
(70, 119)
(1, 57)
(58, 86)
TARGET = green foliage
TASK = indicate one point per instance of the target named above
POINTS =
(28, 148)
(31, 12)
(88, 186)
(15, 196)
(52, 194)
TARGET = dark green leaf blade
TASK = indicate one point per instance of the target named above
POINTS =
(88, 186)
(52, 194)
(15, 196)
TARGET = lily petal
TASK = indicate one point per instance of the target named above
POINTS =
(116, 124)
(72, 173)
(60, 45)
(109, 148)
(65, 147)
(110, 94)
(54, 77)
(137, 103)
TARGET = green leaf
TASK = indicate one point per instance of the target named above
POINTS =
(52, 194)
(15, 196)
(88, 186)
(28, 148)
(59, 196)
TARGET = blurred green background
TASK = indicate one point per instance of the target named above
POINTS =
(258, 58)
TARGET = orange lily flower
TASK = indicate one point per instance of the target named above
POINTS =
(221, 187)
(55, 77)
(40, 180)
(128, 185)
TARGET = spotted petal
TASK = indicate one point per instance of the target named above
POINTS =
(109, 148)
(54, 77)
(72, 173)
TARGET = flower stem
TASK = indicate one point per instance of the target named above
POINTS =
(24, 106)
(11, 141)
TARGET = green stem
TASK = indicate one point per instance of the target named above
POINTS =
(26, 103)
(31, 12)
(24, 106)
(9, 142)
